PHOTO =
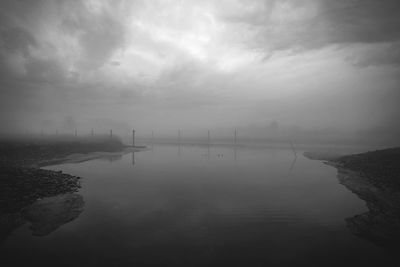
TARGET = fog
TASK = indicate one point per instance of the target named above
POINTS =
(299, 69)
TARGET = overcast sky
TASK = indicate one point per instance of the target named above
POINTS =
(199, 64)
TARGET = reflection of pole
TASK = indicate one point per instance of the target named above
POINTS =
(133, 158)
(292, 164)
(133, 138)
(234, 152)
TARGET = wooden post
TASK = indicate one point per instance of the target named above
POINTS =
(133, 138)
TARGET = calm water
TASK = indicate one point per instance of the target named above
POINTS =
(190, 206)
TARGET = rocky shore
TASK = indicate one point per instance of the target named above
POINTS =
(22, 182)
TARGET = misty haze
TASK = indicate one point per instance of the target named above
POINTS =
(199, 133)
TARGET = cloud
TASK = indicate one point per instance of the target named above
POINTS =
(313, 24)
(16, 40)
(134, 60)
(362, 21)
(99, 35)
(382, 54)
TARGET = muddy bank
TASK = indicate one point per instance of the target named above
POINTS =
(47, 214)
(381, 223)
(380, 167)
(38, 153)
(374, 178)
(22, 182)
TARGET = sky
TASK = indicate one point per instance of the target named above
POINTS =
(167, 64)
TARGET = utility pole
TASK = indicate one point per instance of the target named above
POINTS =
(179, 142)
(208, 144)
(133, 138)
(235, 137)
(152, 140)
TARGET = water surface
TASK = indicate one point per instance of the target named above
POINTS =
(200, 206)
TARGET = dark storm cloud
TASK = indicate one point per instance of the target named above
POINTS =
(24, 24)
(16, 40)
(376, 55)
(46, 47)
(312, 24)
(362, 21)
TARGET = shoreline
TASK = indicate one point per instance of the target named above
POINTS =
(82, 157)
(24, 180)
(380, 167)
(359, 173)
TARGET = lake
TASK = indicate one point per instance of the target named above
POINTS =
(198, 206)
